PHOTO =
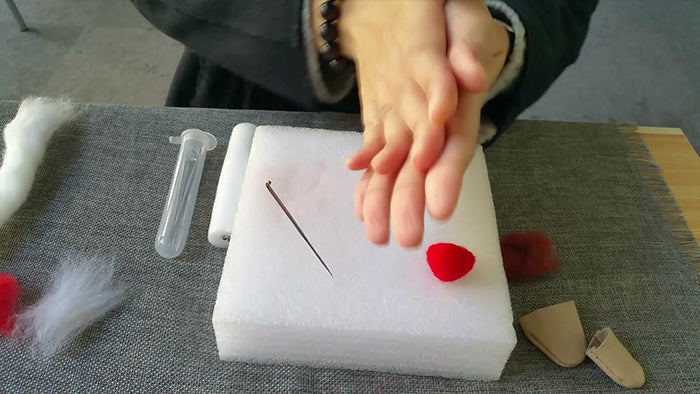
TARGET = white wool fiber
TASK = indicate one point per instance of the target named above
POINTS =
(26, 137)
(81, 293)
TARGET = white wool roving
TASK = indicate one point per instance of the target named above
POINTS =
(26, 137)
(81, 293)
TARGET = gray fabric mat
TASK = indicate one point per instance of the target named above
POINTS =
(101, 191)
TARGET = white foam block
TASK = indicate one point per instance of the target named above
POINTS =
(383, 309)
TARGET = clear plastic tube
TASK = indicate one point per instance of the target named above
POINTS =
(177, 213)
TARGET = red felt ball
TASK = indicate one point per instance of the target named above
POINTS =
(449, 262)
(9, 293)
(527, 255)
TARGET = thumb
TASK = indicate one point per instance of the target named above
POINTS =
(466, 22)
(444, 179)
(469, 72)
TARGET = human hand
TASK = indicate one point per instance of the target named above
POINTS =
(477, 50)
(407, 89)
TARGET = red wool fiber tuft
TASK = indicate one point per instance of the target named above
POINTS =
(449, 262)
(527, 255)
(9, 293)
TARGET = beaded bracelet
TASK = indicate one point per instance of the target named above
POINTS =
(329, 31)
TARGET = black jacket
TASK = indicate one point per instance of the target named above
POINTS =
(250, 54)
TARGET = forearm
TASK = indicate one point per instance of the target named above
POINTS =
(259, 41)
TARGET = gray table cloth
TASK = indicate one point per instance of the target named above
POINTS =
(626, 258)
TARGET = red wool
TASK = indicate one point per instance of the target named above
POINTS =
(9, 293)
(449, 262)
(527, 255)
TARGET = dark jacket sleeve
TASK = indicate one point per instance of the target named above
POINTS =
(258, 40)
(554, 33)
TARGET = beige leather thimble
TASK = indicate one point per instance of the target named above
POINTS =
(556, 330)
(614, 359)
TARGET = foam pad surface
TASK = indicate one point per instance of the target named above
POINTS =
(383, 309)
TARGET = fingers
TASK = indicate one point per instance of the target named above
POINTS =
(444, 180)
(396, 199)
(373, 143)
(398, 143)
(433, 74)
(360, 190)
(429, 142)
(468, 70)
(373, 134)
(428, 137)
(408, 206)
(375, 208)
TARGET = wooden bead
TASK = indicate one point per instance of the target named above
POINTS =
(339, 64)
(329, 32)
(330, 51)
(330, 11)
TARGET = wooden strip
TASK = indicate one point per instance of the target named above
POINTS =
(680, 167)
(659, 130)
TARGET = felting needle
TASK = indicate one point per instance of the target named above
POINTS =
(268, 185)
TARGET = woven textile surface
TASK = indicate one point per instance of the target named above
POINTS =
(626, 258)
